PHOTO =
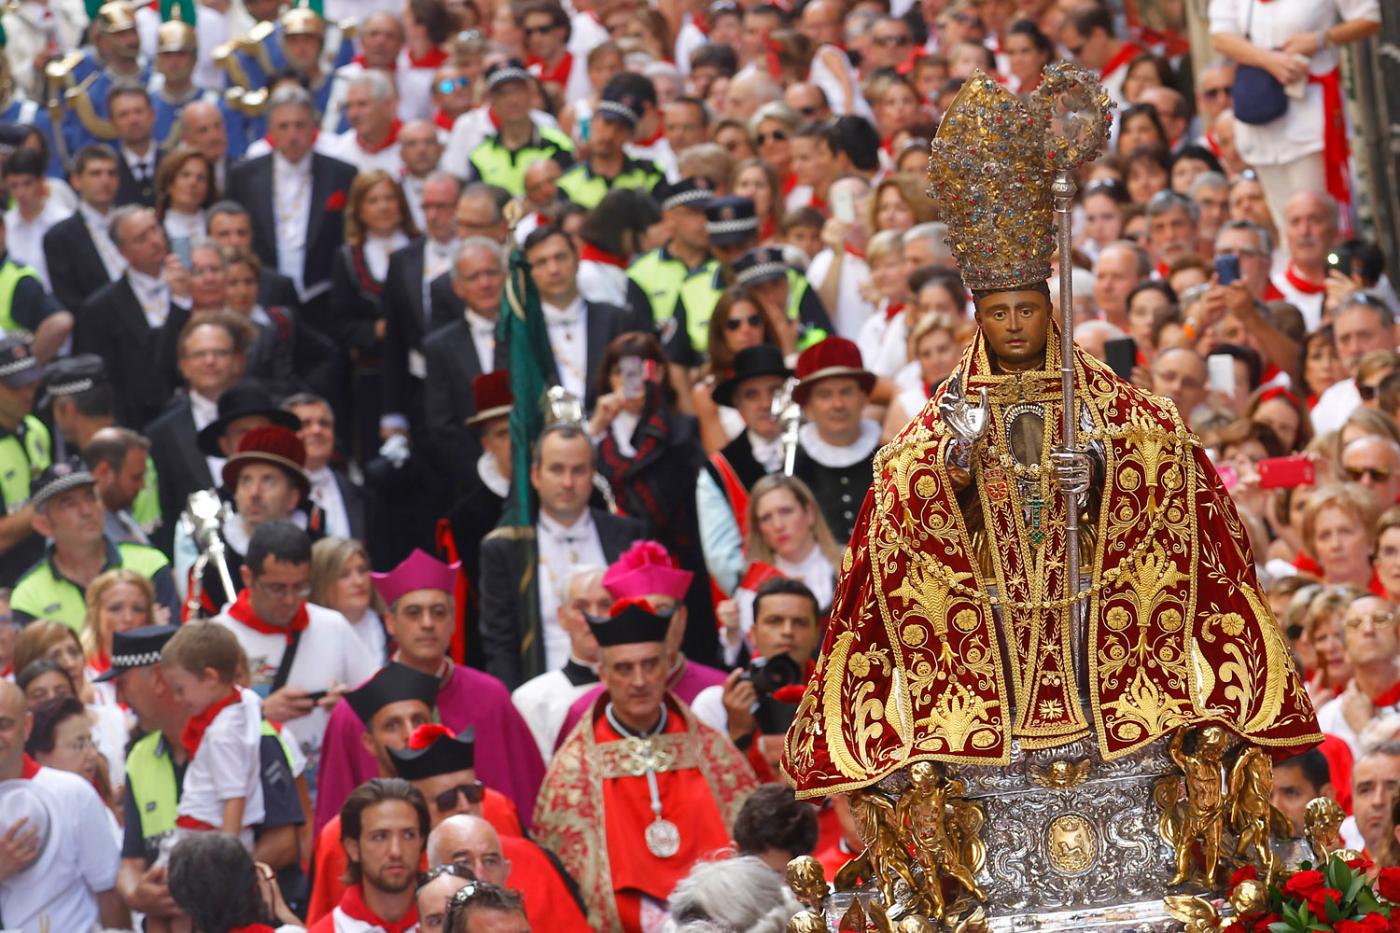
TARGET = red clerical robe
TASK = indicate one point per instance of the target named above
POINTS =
(1179, 631)
(702, 781)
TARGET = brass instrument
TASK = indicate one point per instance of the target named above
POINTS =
(206, 512)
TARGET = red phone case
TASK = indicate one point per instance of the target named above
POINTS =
(1286, 472)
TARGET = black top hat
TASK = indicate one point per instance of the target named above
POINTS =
(18, 366)
(394, 683)
(762, 360)
(695, 193)
(731, 221)
(505, 72)
(432, 750)
(757, 266)
(56, 478)
(139, 647)
(242, 401)
(631, 621)
(74, 375)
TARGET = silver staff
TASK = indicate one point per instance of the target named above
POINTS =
(788, 414)
(206, 513)
(1063, 190)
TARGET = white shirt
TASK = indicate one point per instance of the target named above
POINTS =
(325, 493)
(602, 283)
(814, 570)
(204, 413)
(179, 225)
(346, 147)
(437, 260)
(143, 167)
(544, 702)
(370, 629)
(415, 85)
(226, 766)
(329, 653)
(568, 338)
(623, 427)
(1310, 306)
(561, 549)
(851, 309)
(483, 331)
(97, 229)
(291, 202)
(152, 294)
(659, 152)
(80, 860)
(769, 454)
(378, 249)
(1335, 406)
(25, 238)
(879, 330)
(1299, 131)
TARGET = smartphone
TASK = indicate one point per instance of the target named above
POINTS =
(180, 246)
(633, 380)
(1227, 269)
(843, 204)
(316, 696)
(1227, 475)
(1220, 374)
(1120, 353)
(1286, 472)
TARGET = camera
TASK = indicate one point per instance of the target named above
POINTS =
(768, 675)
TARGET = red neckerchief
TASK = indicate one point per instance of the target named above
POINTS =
(1389, 697)
(359, 60)
(1305, 564)
(559, 74)
(892, 310)
(352, 904)
(1270, 373)
(253, 928)
(1126, 54)
(651, 140)
(102, 663)
(389, 140)
(1271, 292)
(789, 182)
(29, 769)
(1304, 286)
(435, 58)
(242, 610)
(495, 120)
(195, 728)
(443, 120)
(1212, 145)
(1163, 270)
(851, 250)
(818, 202)
(589, 251)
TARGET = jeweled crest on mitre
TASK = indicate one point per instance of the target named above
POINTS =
(994, 160)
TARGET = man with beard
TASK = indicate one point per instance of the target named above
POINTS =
(383, 827)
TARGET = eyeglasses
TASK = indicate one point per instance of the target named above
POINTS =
(1211, 93)
(1375, 474)
(284, 590)
(538, 30)
(1379, 620)
(448, 85)
(475, 792)
(892, 42)
(734, 323)
(777, 136)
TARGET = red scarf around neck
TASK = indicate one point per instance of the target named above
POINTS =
(433, 58)
(389, 140)
(558, 74)
(352, 904)
(194, 730)
(29, 769)
(1304, 286)
(1125, 55)
(589, 251)
(242, 610)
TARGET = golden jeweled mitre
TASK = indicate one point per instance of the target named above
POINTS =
(994, 161)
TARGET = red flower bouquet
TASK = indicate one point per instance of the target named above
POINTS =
(1333, 898)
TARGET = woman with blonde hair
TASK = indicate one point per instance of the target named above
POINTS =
(935, 346)
(899, 203)
(1322, 630)
(761, 182)
(118, 600)
(1338, 532)
(787, 531)
(340, 580)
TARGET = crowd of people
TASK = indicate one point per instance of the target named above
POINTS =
(280, 649)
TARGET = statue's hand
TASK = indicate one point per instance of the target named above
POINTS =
(1073, 470)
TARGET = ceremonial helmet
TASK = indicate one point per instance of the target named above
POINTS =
(176, 36)
(114, 17)
(303, 21)
(994, 161)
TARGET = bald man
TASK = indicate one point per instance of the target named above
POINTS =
(420, 149)
(1120, 267)
(1092, 335)
(71, 878)
(203, 127)
(1179, 373)
(1310, 228)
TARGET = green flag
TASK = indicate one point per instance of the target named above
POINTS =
(521, 329)
(182, 10)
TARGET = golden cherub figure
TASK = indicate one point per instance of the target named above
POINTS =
(1322, 821)
(1203, 813)
(885, 859)
(923, 815)
(1253, 817)
(807, 880)
(807, 921)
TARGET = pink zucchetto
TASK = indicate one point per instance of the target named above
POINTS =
(646, 569)
(419, 571)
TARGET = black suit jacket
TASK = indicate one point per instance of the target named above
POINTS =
(250, 184)
(76, 270)
(507, 573)
(602, 323)
(452, 364)
(140, 359)
(356, 511)
(276, 290)
(407, 323)
(180, 467)
(131, 191)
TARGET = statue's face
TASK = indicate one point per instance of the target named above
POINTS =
(1015, 324)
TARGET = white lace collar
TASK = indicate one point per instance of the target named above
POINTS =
(491, 475)
(829, 455)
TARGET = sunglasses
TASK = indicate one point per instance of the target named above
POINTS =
(475, 792)
(538, 30)
(777, 136)
(892, 42)
(1375, 474)
(448, 85)
(734, 323)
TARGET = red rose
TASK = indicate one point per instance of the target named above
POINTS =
(1362, 863)
(1349, 926)
(1303, 883)
(1376, 923)
(336, 202)
(1388, 885)
(1247, 873)
(1395, 921)
(1262, 924)
(1317, 903)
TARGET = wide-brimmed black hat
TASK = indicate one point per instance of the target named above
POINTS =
(243, 401)
(139, 647)
(394, 683)
(631, 621)
(433, 750)
(762, 360)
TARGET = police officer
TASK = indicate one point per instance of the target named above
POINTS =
(25, 451)
(68, 512)
(731, 225)
(502, 158)
(26, 308)
(608, 166)
(155, 770)
(661, 272)
(781, 288)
